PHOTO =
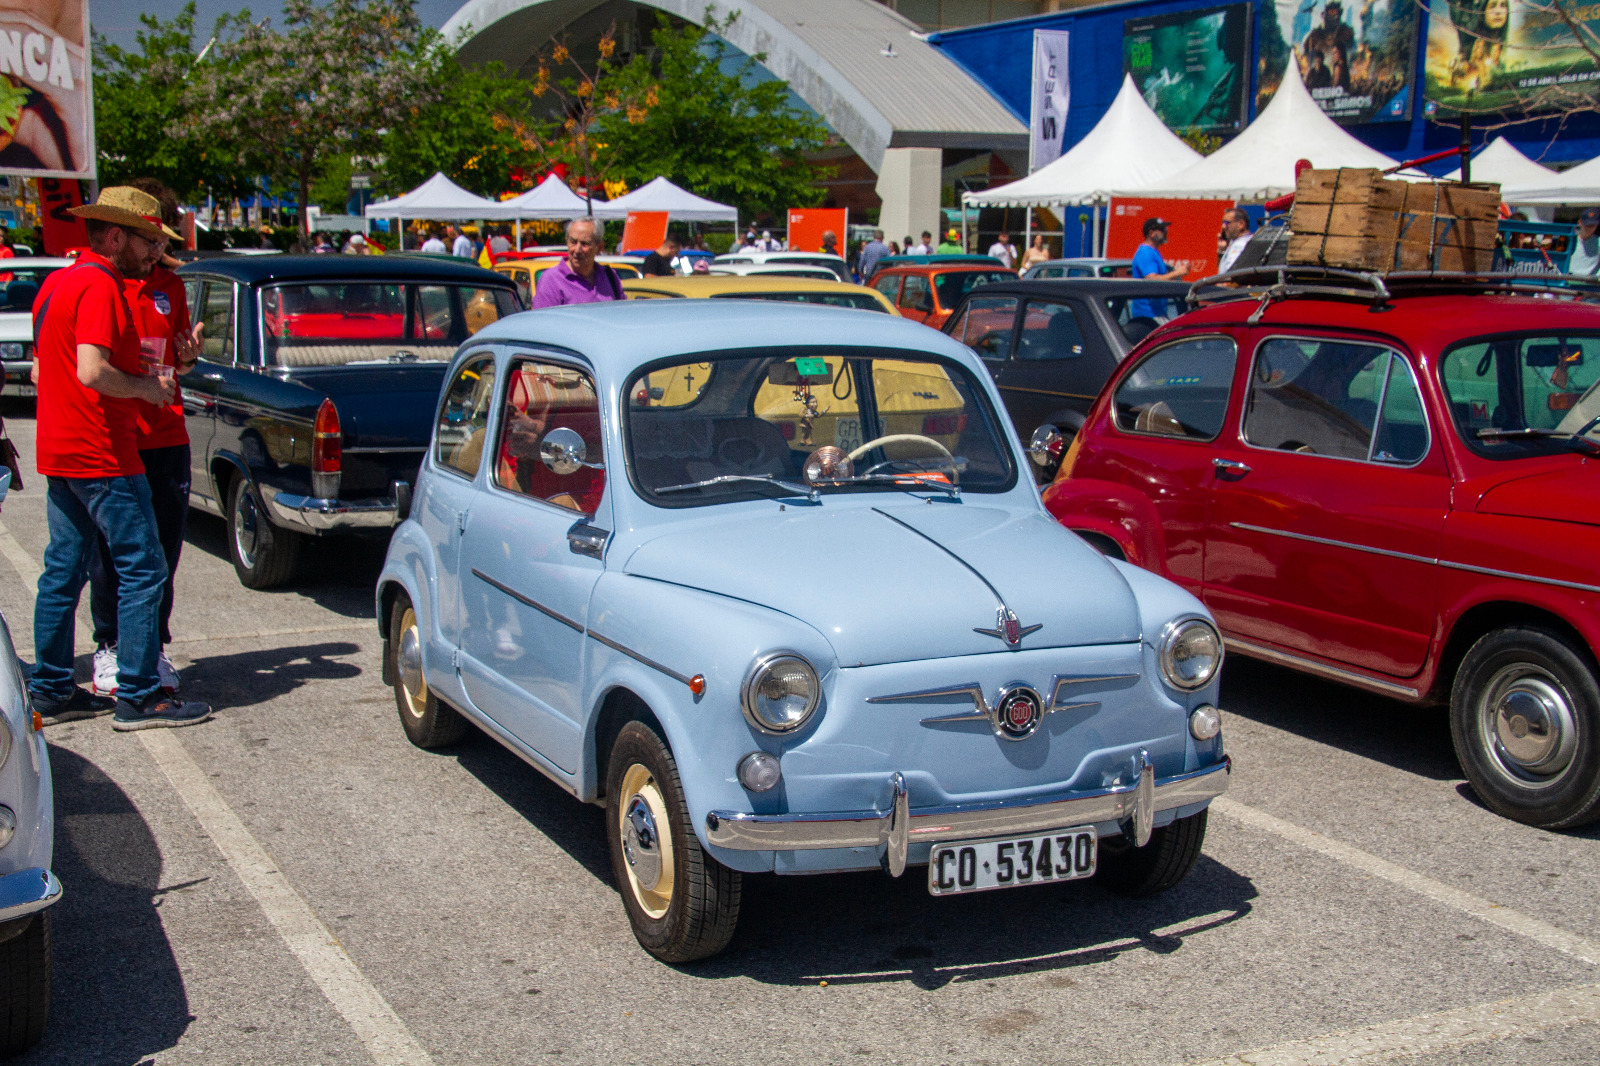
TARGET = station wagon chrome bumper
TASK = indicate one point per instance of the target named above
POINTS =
(315, 514)
(894, 830)
(27, 891)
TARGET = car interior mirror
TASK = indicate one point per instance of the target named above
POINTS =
(562, 451)
(1550, 356)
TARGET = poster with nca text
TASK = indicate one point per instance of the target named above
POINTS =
(46, 106)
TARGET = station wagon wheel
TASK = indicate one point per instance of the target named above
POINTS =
(263, 555)
(682, 903)
(1525, 720)
(427, 722)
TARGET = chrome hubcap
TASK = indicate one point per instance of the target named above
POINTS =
(1528, 725)
(408, 663)
(646, 837)
(640, 844)
(244, 528)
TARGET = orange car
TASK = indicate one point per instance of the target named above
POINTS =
(928, 292)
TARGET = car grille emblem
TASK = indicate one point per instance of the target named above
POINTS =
(1020, 711)
(1018, 708)
(1007, 628)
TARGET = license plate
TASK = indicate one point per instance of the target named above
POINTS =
(981, 865)
(847, 434)
(20, 390)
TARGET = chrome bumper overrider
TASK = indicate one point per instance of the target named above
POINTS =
(893, 830)
(319, 515)
(27, 891)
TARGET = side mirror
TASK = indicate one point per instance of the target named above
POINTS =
(562, 450)
(1045, 447)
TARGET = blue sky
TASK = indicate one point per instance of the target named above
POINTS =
(118, 20)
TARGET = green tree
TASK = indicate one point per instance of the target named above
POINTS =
(139, 113)
(715, 130)
(324, 88)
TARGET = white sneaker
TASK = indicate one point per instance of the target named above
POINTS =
(105, 671)
(167, 673)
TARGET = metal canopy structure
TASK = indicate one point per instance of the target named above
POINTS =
(865, 69)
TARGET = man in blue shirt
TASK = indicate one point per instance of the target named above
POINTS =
(1147, 263)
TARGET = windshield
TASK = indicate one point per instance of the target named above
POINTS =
(334, 324)
(858, 300)
(953, 286)
(19, 287)
(718, 426)
(1524, 394)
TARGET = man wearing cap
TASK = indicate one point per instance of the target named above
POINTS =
(578, 279)
(90, 377)
(952, 243)
(1148, 264)
(1586, 250)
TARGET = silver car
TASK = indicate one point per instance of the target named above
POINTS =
(19, 284)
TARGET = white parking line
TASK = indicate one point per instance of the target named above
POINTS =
(295, 631)
(1432, 1033)
(1513, 921)
(376, 1024)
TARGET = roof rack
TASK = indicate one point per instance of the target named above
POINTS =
(1270, 283)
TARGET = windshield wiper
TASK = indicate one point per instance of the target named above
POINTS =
(1579, 439)
(760, 479)
(904, 481)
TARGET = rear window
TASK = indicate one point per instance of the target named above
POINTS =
(19, 287)
(357, 323)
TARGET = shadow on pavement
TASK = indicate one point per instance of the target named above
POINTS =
(247, 678)
(118, 996)
(336, 573)
(1402, 735)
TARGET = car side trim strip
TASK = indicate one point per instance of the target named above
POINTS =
(1446, 563)
(682, 679)
(1046, 392)
(1311, 666)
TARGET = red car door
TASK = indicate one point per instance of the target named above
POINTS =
(1327, 507)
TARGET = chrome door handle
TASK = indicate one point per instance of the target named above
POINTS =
(1228, 468)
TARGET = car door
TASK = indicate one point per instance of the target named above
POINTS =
(1326, 513)
(530, 556)
(211, 302)
(1058, 364)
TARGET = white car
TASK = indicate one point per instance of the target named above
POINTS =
(835, 263)
(781, 270)
(27, 842)
(19, 284)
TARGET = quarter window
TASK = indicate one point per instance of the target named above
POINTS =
(889, 286)
(1336, 398)
(541, 399)
(217, 346)
(463, 424)
(1178, 391)
(916, 294)
(984, 325)
(1050, 331)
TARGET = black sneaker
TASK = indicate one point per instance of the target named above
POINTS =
(81, 704)
(159, 711)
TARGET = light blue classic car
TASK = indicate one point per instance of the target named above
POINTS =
(772, 584)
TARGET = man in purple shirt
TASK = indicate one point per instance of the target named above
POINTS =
(578, 279)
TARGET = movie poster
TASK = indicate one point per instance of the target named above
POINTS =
(1192, 66)
(46, 110)
(1508, 56)
(1357, 57)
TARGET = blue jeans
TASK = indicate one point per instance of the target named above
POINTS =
(80, 510)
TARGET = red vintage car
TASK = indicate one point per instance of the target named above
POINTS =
(1393, 483)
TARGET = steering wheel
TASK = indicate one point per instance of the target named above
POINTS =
(893, 438)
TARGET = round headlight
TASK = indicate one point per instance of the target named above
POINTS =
(780, 693)
(1191, 653)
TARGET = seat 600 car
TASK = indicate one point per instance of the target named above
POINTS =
(790, 605)
(1392, 484)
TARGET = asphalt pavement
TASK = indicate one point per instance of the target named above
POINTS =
(293, 882)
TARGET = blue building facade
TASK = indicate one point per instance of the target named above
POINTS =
(1000, 56)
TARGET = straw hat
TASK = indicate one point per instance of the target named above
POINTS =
(127, 206)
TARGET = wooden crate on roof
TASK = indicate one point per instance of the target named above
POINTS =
(1356, 219)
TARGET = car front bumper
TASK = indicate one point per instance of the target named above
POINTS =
(895, 829)
(27, 891)
(316, 514)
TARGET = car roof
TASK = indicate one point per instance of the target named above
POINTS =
(1083, 260)
(619, 336)
(1085, 287)
(396, 266)
(935, 259)
(782, 255)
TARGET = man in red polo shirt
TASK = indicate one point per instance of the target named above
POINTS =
(161, 317)
(90, 376)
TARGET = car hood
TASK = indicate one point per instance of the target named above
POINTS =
(1565, 495)
(902, 581)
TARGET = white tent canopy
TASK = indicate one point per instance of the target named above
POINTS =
(681, 204)
(439, 199)
(1259, 163)
(552, 199)
(1501, 162)
(1580, 185)
(1130, 146)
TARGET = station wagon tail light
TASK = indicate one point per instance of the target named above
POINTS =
(780, 693)
(1191, 653)
(327, 451)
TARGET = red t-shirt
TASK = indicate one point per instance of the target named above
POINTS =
(160, 310)
(80, 432)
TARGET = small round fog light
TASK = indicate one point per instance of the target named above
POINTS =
(8, 825)
(759, 771)
(1205, 723)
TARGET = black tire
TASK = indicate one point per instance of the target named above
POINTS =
(1156, 867)
(264, 556)
(696, 917)
(25, 986)
(428, 722)
(1510, 681)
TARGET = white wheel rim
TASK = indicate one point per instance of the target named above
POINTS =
(412, 686)
(646, 837)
